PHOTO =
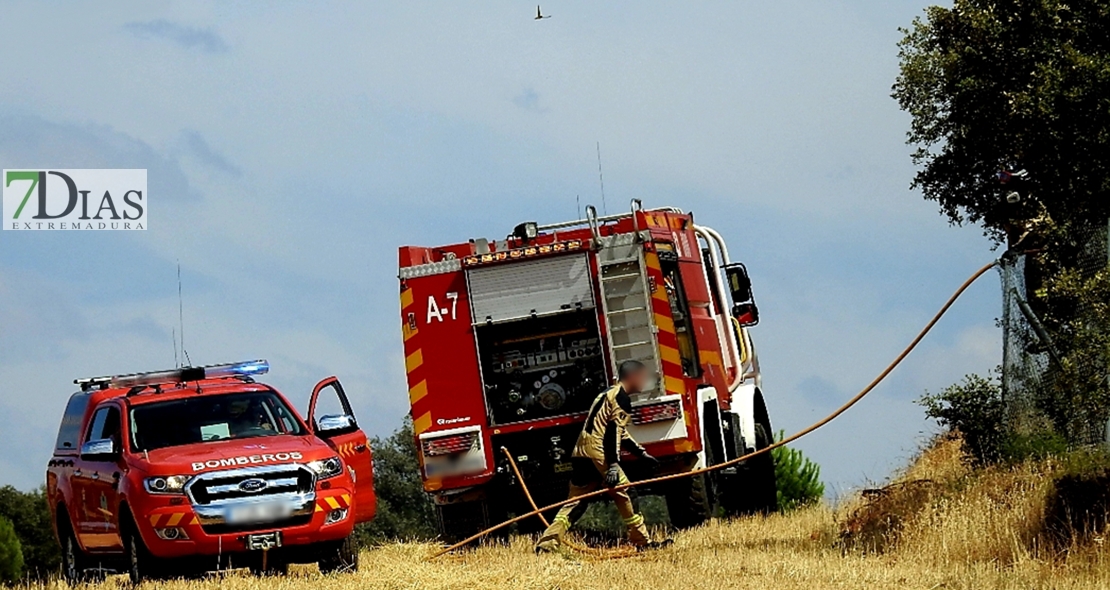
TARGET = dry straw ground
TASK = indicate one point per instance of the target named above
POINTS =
(952, 529)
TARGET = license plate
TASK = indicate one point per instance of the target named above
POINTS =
(255, 513)
(564, 467)
(264, 541)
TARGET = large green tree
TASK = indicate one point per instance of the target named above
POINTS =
(1011, 85)
(30, 516)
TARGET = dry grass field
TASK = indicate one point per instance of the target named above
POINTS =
(938, 526)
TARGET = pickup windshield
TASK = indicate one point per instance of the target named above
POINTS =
(207, 418)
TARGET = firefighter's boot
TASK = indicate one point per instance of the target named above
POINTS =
(637, 532)
(552, 537)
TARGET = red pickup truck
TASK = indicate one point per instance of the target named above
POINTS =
(200, 468)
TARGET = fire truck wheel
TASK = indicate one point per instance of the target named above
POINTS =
(340, 557)
(753, 488)
(141, 564)
(461, 520)
(690, 501)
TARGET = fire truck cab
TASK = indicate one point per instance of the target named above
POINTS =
(199, 468)
(508, 342)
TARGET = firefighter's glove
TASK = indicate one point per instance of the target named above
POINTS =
(613, 475)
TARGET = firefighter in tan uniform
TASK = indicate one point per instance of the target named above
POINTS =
(596, 458)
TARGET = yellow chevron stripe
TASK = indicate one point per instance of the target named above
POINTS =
(175, 518)
(406, 298)
(418, 391)
(346, 499)
(710, 357)
(195, 520)
(422, 423)
(154, 519)
(664, 323)
(332, 502)
(674, 384)
(413, 361)
(407, 332)
(652, 261)
(319, 508)
(670, 355)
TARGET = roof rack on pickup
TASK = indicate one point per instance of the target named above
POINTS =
(179, 375)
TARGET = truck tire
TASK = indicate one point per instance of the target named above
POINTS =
(340, 557)
(460, 521)
(753, 488)
(141, 564)
(690, 501)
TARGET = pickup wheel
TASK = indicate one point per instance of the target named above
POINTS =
(141, 564)
(74, 561)
(340, 557)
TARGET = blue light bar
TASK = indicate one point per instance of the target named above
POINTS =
(182, 375)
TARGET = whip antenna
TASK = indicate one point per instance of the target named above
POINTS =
(181, 318)
(601, 179)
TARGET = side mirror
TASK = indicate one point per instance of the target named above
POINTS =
(744, 308)
(93, 449)
(335, 424)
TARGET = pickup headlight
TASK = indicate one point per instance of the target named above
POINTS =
(325, 468)
(166, 484)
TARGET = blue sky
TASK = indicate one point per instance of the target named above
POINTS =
(292, 147)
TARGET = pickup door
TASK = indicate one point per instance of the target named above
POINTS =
(341, 432)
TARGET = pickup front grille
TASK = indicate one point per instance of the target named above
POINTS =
(250, 483)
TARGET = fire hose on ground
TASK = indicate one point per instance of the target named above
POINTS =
(820, 423)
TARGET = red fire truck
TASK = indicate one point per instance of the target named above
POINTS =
(198, 468)
(507, 342)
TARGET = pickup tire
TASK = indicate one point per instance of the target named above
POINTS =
(141, 564)
(75, 562)
(339, 557)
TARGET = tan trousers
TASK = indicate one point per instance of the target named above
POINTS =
(588, 476)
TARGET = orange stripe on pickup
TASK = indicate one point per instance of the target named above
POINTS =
(406, 298)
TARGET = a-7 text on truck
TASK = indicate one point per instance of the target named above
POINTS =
(507, 343)
(199, 468)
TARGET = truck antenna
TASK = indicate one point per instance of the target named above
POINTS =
(173, 336)
(181, 318)
(578, 202)
(601, 179)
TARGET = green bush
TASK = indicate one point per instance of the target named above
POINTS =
(30, 515)
(11, 554)
(798, 479)
(974, 408)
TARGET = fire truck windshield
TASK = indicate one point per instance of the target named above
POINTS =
(207, 418)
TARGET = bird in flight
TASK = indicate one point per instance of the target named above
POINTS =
(539, 15)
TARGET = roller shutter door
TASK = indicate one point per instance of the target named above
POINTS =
(517, 290)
